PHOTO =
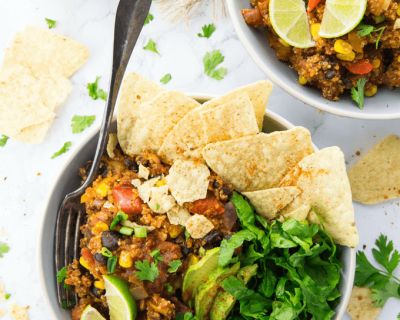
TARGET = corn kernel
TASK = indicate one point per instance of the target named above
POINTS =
(125, 260)
(84, 263)
(342, 47)
(398, 10)
(346, 57)
(376, 63)
(99, 284)
(84, 198)
(284, 43)
(371, 91)
(315, 27)
(398, 59)
(102, 189)
(161, 183)
(99, 227)
(302, 80)
(174, 231)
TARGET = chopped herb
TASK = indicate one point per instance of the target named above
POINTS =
(111, 264)
(61, 275)
(151, 46)
(7, 296)
(149, 18)
(51, 23)
(398, 316)
(166, 78)
(366, 30)
(68, 304)
(66, 146)
(146, 271)
(126, 231)
(169, 288)
(357, 94)
(382, 281)
(210, 61)
(207, 30)
(80, 123)
(121, 216)
(156, 254)
(3, 140)
(174, 266)
(94, 91)
(187, 234)
(106, 252)
(140, 232)
(378, 39)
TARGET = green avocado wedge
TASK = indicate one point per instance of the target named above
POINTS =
(199, 273)
(207, 292)
(224, 301)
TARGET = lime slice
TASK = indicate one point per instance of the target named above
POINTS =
(90, 313)
(120, 302)
(289, 20)
(341, 16)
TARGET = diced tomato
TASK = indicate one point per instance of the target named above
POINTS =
(207, 206)
(360, 67)
(312, 4)
(87, 255)
(126, 201)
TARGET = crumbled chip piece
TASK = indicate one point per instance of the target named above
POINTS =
(143, 172)
(361, 306)
(160, 200)
(188, 180)
(198, 226)
(178, 215)
(112, 144)
(145, 189)
(136, 182)
(19, 313)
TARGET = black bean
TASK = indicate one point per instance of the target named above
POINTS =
(227, 191)
(130, 164)
(96, 292)
(230, 216)
(216, 184)
(185, 250)
(100, 258)
(103, 169)
(109, 239)
(330, 74)
(213, 238)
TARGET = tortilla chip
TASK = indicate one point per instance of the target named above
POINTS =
(269, 201)
(34, 134)
(300, 214)
(258, 162)
(26, 101)
(45, 52)
(325, 187)
(135, 90)
(198, 226)
(376, 177)
(178, 215)
(258, 93)
(155, 119)
(361, 306)
(205, 125)
(188, 181)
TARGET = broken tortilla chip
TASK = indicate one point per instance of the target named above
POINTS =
(376, 176)
(258, 162)
(361, 306)
(269, 201)
(188, 181)
(44, 52)
(325, 187)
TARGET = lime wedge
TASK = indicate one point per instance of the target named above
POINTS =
(90, 313)
(289, 20)
(341, 16)
(120, 302)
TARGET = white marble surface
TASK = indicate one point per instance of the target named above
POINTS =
(26, 171)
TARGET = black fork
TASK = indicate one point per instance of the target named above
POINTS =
(129, 21)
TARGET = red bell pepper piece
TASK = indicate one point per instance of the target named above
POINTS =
(126, 201)
(312, 4)
(360, 67)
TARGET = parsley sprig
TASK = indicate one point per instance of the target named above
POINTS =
(166, 78)
(149, 18)
(61, 275)
(211, 61)
(357, 93)
(381, 280)
(146, 270)
(207, 31)
(174, 265)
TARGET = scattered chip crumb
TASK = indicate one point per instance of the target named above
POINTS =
(361, 306)
(136, 183)
(19, 313)
(38, 173)
(112, 144)
(198, 226)
(160, 201)
(143, 172)
(178, 215)
(145, 189)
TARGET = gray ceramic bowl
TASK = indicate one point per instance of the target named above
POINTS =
(69, 180)
(385, 105)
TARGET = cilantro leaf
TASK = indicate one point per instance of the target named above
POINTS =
(149, 18)
(51, 23)
(4, 248)
(3, 140)
(61, 274)
(146, 271)
(207, 31)
(364, 30)
(357, 94)
(398, 316)
(166, 78)
(211, 61)
(151, 46)
(385, 254)
(80, 123)
(174, 265)
(95, 92)
(7, 296)
(66, 146)
(156, 254)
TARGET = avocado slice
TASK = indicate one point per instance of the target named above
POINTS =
(207, 292)
(224, 301)
(199, 273)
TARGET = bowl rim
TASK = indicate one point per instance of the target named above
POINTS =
(263, 65)
(71, 155)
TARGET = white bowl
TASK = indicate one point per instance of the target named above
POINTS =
(385, 105)
(68, 180)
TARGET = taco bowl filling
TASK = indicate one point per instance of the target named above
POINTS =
(247, 226)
